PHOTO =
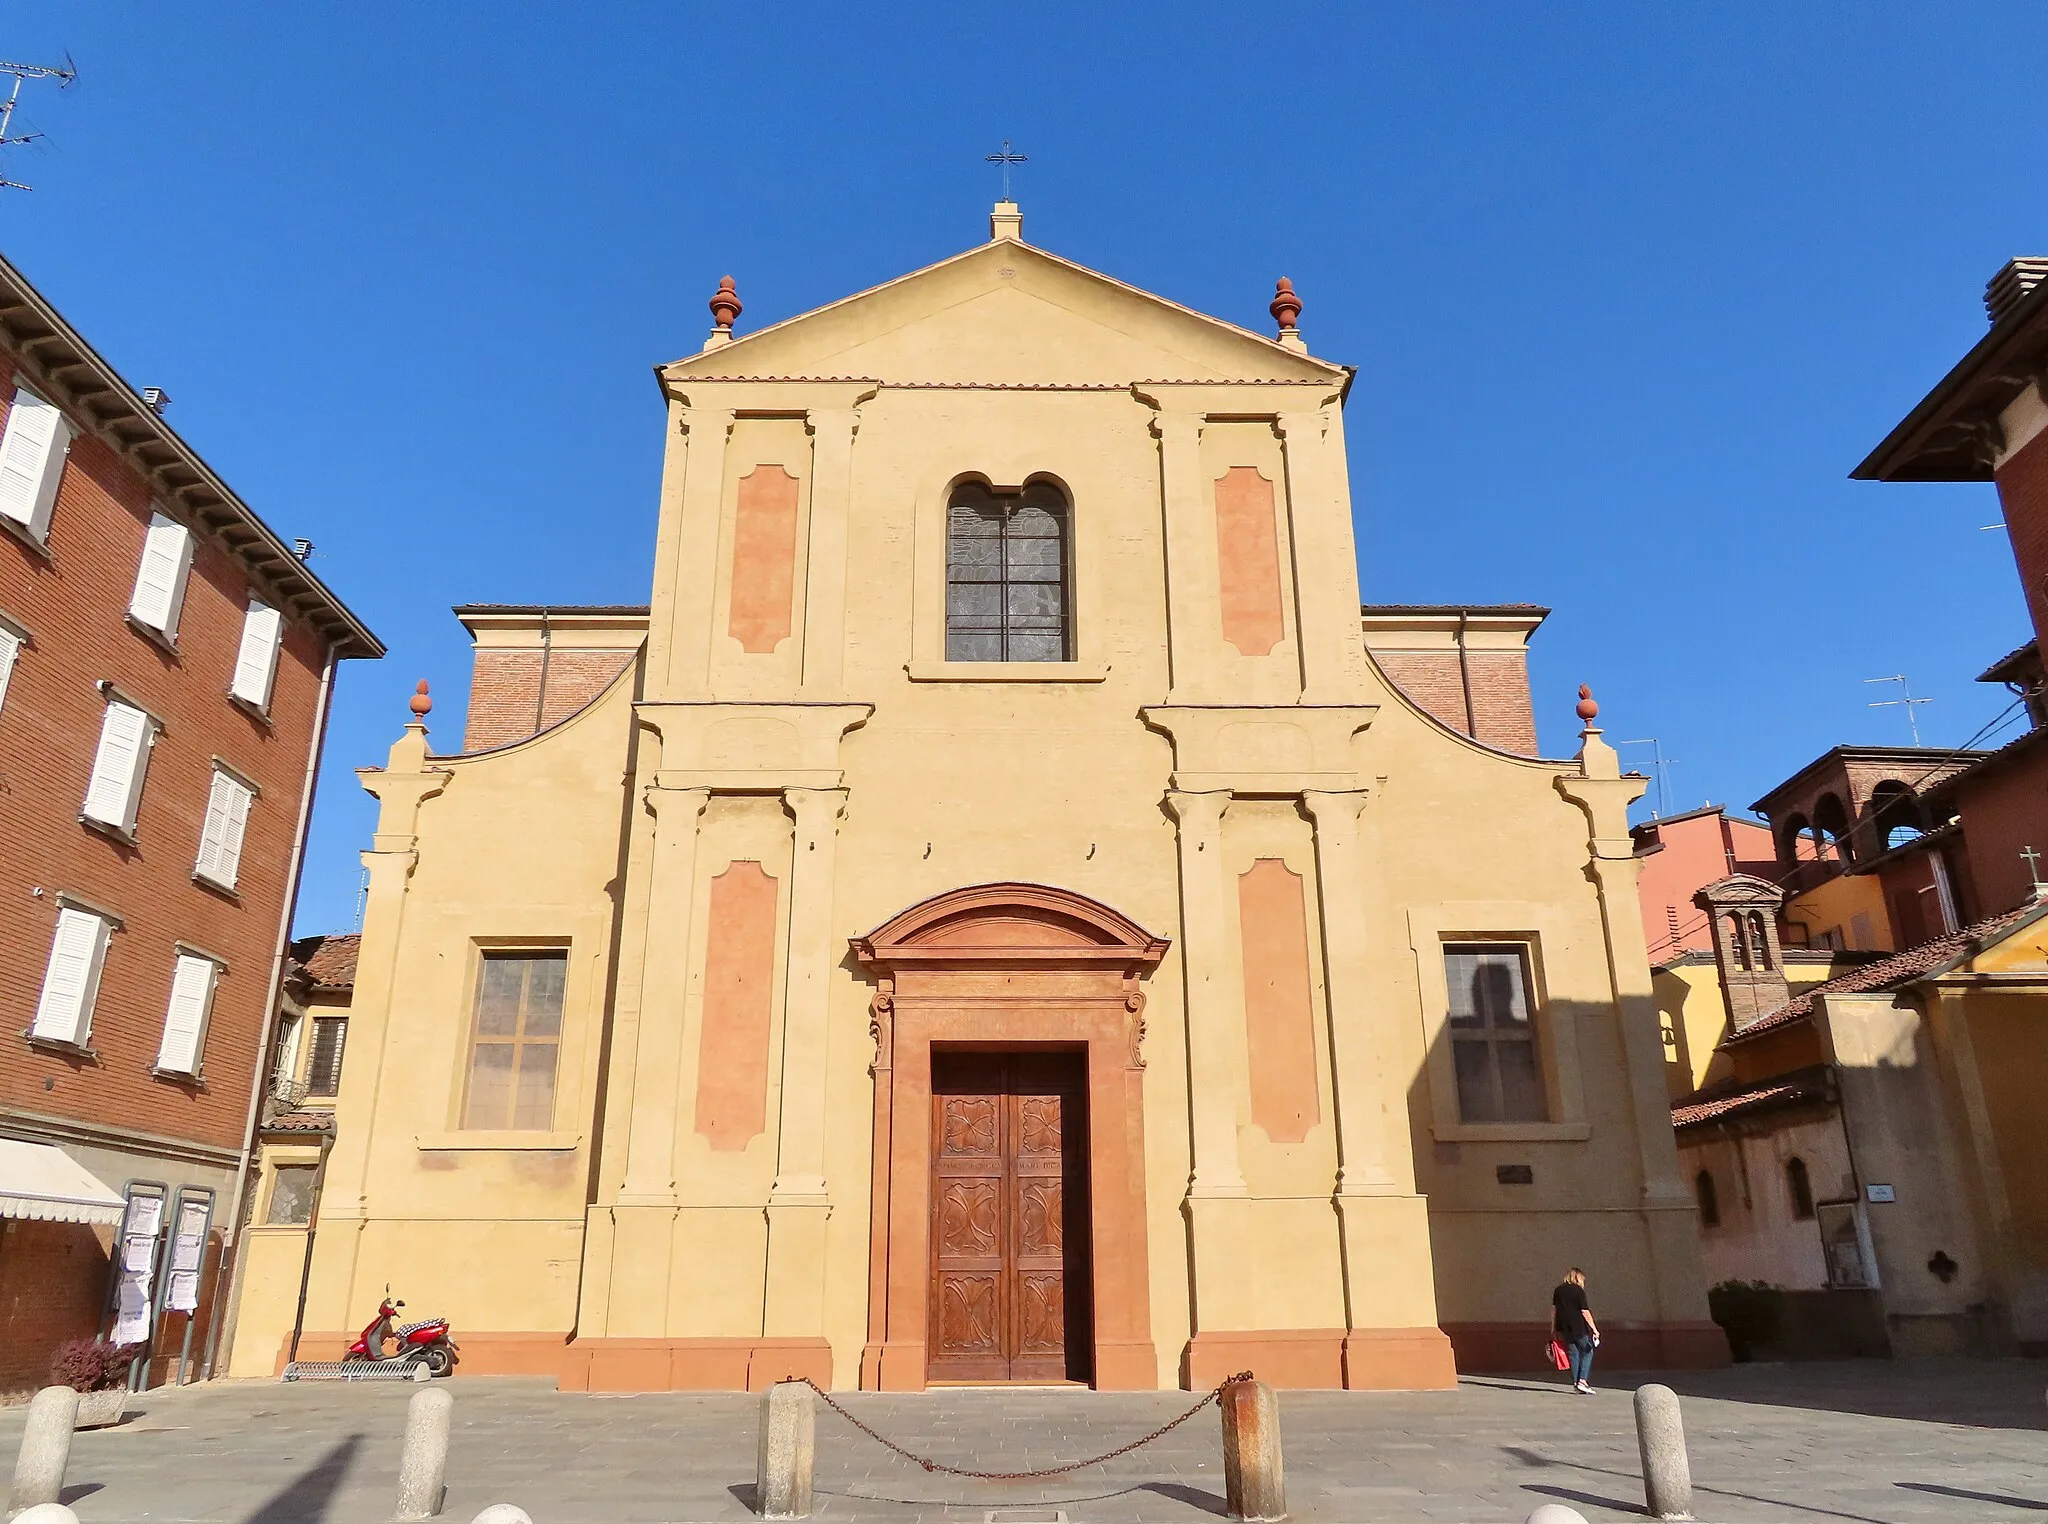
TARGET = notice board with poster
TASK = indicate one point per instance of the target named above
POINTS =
(135, 1262)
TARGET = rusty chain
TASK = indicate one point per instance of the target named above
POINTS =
(1023, 1476)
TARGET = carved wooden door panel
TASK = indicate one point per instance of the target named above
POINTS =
(1009, 1291)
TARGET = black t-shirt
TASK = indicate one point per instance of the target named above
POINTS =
(1568, 1304)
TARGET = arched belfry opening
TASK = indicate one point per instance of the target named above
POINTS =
(1007, 1226)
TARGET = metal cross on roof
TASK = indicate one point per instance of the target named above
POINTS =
(1006, 159)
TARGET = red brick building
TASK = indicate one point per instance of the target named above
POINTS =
(1987, 421)
(165, 668)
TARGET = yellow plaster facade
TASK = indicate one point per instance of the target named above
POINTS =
(1216, 799)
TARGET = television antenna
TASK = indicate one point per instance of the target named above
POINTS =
(22, 73)
(1660, 764)
(1905, 701)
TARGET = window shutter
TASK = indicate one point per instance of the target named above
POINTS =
(117, 769)
(10, 648)
(256, 662)
(323, 1075)
(32, 460)
(220, 839)
(160, 580)
(185, 1020)
(72, 981)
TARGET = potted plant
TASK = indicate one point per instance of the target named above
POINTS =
(98, 1372)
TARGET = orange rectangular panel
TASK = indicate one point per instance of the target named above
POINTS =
(763, 560)
(1278, 1012)
(1248, 561)
(739, 984)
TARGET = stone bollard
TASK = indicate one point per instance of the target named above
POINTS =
(1660, 1436)
(503, 1513)
(788, 1452)
(1253, 1485)
(1555, 1513)
(423, 1472)
(45, 1449)
(46, 1513)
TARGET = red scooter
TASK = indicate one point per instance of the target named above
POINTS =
(422, 1343)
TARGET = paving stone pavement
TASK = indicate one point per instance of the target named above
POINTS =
(1906, 1442)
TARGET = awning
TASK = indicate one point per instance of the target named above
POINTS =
(41, 1182)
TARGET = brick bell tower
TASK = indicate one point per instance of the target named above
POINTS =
(1744, 911)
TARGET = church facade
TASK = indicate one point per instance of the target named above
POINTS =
(991, 919)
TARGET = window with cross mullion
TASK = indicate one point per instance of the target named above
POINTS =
(1007, 577)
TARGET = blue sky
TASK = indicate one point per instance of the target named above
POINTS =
(1630, 290)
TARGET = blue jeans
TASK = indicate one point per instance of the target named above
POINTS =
(1581, 1352)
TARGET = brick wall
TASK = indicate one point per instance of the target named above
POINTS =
(2005, 809)
(506, 695)
(53, 1282)
(72, 602)
(2023, 491)
(1500, 692)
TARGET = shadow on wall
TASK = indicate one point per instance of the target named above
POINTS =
(1506, 1057)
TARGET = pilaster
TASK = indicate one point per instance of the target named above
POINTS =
(1358, 1066)
(1325, 562)
(824, 661)
(1193, 586)
(693, 594)
(645, 1213)
(1218, 1206)
(1603, 794)
(800, 1201)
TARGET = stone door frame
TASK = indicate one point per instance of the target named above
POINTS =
(1014, 966)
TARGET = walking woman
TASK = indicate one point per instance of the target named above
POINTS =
(1573, 1321)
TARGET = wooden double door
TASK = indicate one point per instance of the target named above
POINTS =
(1010, 1274)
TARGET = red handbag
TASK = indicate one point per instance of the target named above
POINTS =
(1558, 1357)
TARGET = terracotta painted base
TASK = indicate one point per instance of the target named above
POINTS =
(619, 1365)
(1623, 1346)
(1361, 1359)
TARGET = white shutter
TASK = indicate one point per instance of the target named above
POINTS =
(160, 580)
(32, 460)
(256, 662)
(185, 1020)
(116, 788)
(10, 648)
(72, 982)
(220, 839)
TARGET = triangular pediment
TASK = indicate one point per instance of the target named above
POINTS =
(1007, 314)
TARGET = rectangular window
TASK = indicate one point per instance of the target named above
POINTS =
(256, 661)
(32, 450)
(323, 1073)
(185, 1019)
(518, 1030)
(291, 1196)
(220, 836)
(1006, 575)
(71, 984)
(115, 793)
(160, 580)
(10, 651)
(1493, 1036)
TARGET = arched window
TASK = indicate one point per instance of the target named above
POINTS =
(1008, 588)
(1710, 1204)
(1795, 844)
(1738, 941)
(1801, 1188)
(1759, 940)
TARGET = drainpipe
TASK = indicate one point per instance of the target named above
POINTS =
(226, 1287)
(1465, 676)
(547, 648)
